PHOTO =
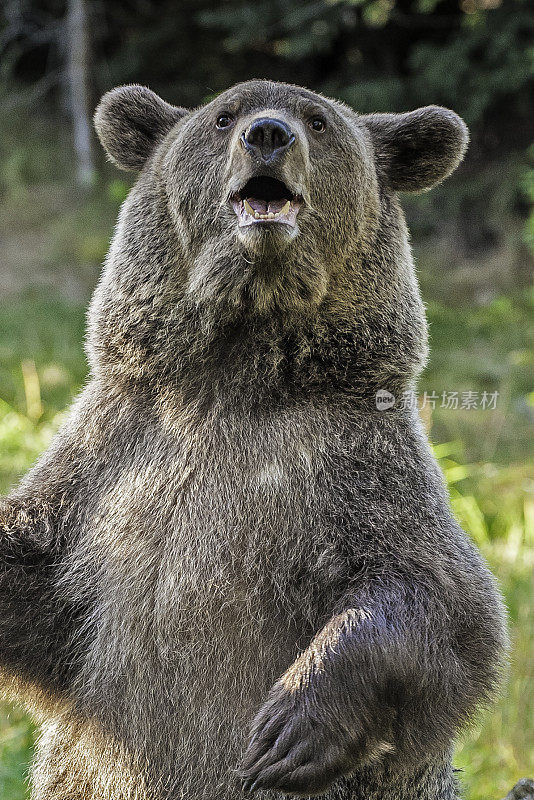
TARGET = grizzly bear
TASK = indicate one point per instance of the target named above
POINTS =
(234, 569)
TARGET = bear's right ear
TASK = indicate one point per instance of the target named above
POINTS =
(130, 121)
(416, 150)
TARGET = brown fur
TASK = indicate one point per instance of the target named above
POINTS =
(226, 528)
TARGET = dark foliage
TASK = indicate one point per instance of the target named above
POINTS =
(379, 55)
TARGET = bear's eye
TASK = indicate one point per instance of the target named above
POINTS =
(317, 124)
(224, 121)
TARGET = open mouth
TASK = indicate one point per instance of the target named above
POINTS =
(264, 200)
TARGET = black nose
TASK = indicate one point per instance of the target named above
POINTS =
(268, 138)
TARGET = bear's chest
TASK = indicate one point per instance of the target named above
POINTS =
(226, 521)
(213, 556)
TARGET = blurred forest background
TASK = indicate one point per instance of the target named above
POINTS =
(473, 238)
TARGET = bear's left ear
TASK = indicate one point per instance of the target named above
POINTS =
(414, 151)
(130, 121)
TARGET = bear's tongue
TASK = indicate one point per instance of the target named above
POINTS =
(266, 206)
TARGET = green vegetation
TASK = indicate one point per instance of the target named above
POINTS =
(16, 741)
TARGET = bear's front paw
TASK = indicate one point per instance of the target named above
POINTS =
(292, 749)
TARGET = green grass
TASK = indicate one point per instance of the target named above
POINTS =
(16, 743)
(497, 752)
(492, 489)
(485, 348)
(49, 332)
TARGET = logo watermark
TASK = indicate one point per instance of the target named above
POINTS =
(451, 400)
(384, 400)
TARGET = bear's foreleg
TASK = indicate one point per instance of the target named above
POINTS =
(34, 628)
(372, 689)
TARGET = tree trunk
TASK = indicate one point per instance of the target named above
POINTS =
(78, 76)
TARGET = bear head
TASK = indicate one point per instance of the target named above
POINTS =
(268, 203)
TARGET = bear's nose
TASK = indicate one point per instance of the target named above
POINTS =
(268, 138)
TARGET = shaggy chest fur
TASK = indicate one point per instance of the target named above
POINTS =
(208, 557)
(190, 526)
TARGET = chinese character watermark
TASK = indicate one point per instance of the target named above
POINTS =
(449, 400)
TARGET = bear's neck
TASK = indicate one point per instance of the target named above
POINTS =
(210, 357)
